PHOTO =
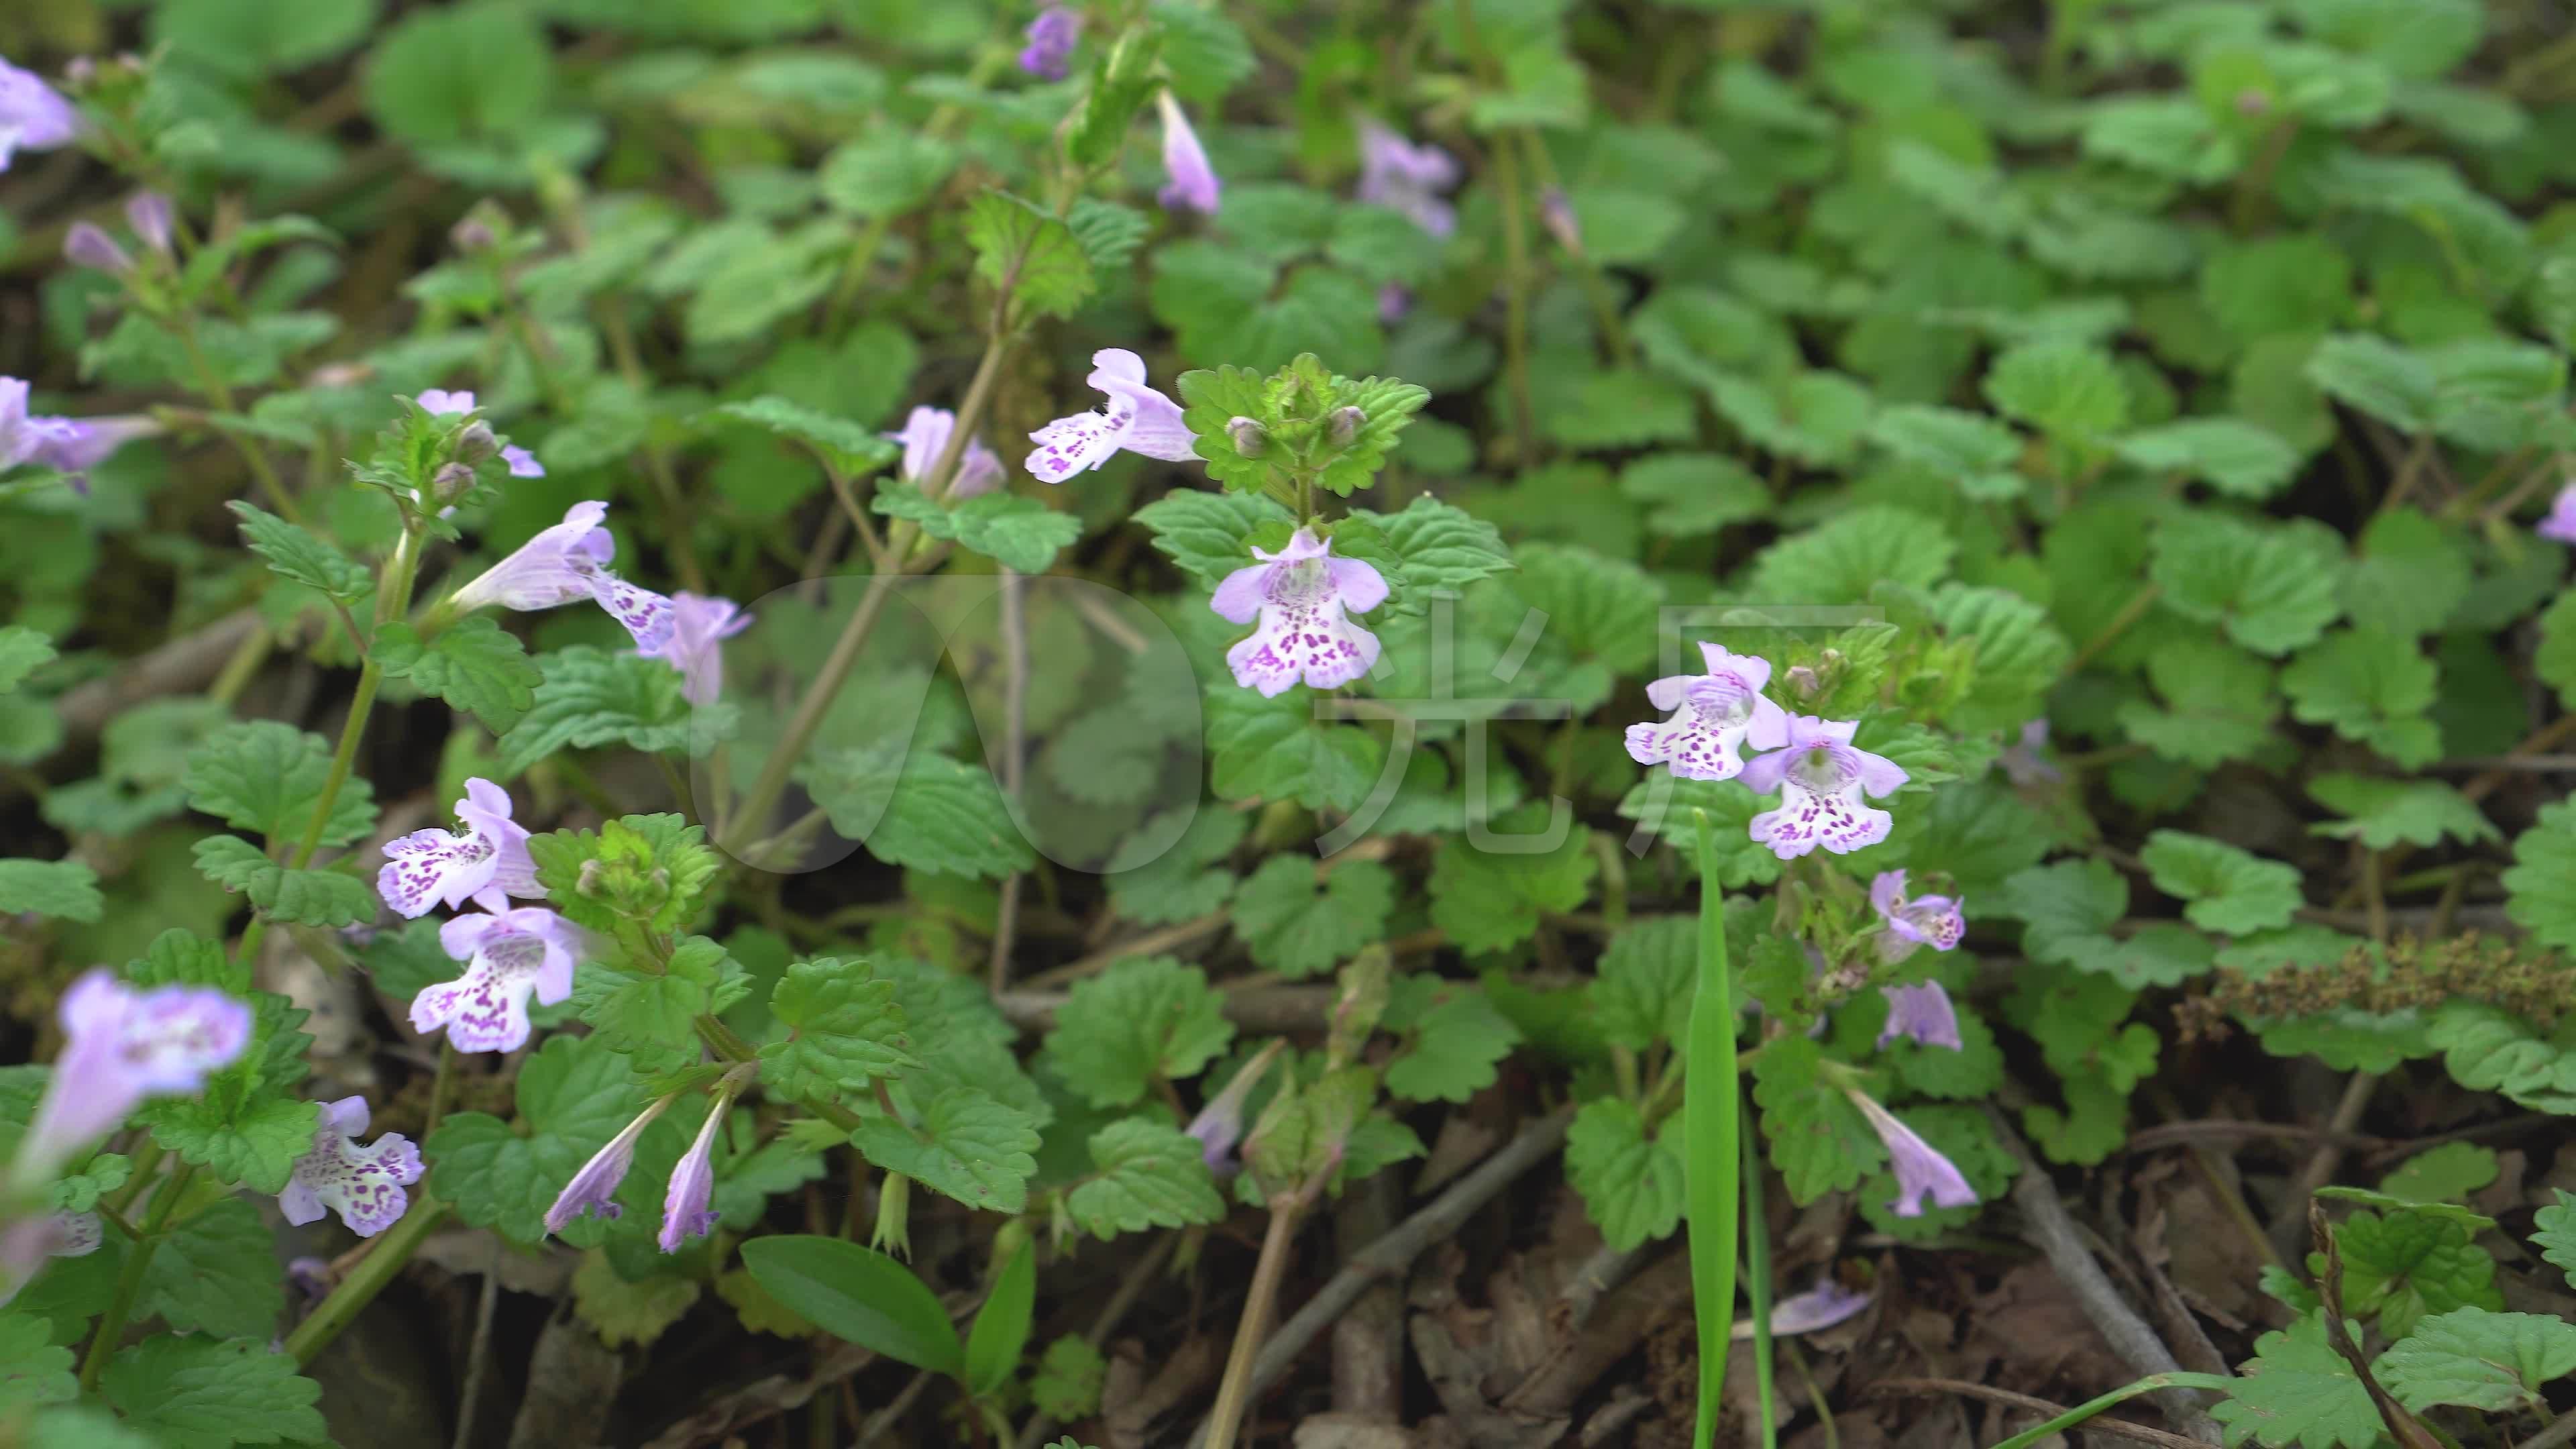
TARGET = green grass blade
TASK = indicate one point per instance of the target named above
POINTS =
(1710, 1117)
(2091, 1407)
(1757, 1282)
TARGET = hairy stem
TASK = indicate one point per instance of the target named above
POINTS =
(129, 1283)
(366, 1280)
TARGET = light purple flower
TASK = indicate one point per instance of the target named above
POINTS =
(438, 402)
(1139, 420)
(1715, 715)
(509, 956)
(1934, 921)
(523, 464)
(1401, 176)
(1192, 184)
(1300, 595)
(70, 446)
(1556, 213)
(593, 1190)
(89, 246)
(311, 1276)
(1219, 1124)
(1919, 1169)
(33, 117)
(1922, 1012)
(121, 1046)
(925, 437)
(1820, 776)
(150, 214)
(1820, 1307)
(2024, 765)
(364, 1185)
(26, 1244)
(564, 564)
(2561, 522)
(699, 628)
(1393, 301)
(685, 1213)
(1051, 38)
(486, 862)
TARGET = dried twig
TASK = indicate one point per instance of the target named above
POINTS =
(2116, 1428)
(2404, 1427)
(478, 1357)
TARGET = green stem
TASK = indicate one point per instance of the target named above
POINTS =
(724, 1042)
(366, 1280)
(1757, 1284)
(1516, 249)
(2091, 1407)
(129, 1284)
(442, 1087)
(210, 384)
(1711, 1117)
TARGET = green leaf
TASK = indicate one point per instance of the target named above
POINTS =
(2380, 813)
(844, 1030)
(886, 173)
(1143, 1020)
(847, 445)
(266, 777)
(1001, 1329)
(2540, 889)
(295, 554)
(1960, 446)
(1814, 417)
(217, 1272)
(917, 808)
(2410, 1264)
(63, 888)
(651, 869)
(1209, 534)
(465, 73)
(1275, 749)
(300, 897)
(2235, 457)
(2556, 1237)
(2448, 1173)
(624, 1310)
(1687, 495)
(1386, 404)
(969, 1147)
(1642, 992)
(573, 1095)
(2220, 703)
(473, 664)
(1149, 1175)
(2298, 1391)
(1028, 254)
(2269, 589)
(2479, 1360)
(652, 1017)
(1188, 879)
(1299, 925)
(1600, 607)
(588, 697)
(2377, 377)
(2068, 390)
(1842, 560)
(2375, 688)
(2410, 577)
(1069, 1379)
(1440, 545)
(22, 652)
(1631, 1184)
(2487, 1049)
(1819, 1141)
(206, 1393)
(1017, 532)
(33, 1370)
(2228, 890)
(1490, 897)
(859, 1296)
(1456, 1050)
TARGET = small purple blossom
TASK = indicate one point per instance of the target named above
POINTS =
(1193, 184)
(364, 1185)
(311, 1277)
(699, 628)
(1219, 1124)
(1919, 1169)
(593, 1190)
(153, 220)
(1051, 37)
(1922, 1012)
(1715, 715)
(1821, 775)
(1139, 420)
(567, 563)
(685, 1213)
(1393, 301)
(438, 402)
(2025, 765)
(509, 955)
(70, 446)
(1934, 921)
(1556, 212)
(522, 463)
(122, 1046)
(2560, 525)
(1401, 176)
(925, 437)
(1820, 1307)
(33, 116)
(486, 862)
(1300, 595)
(86, 245)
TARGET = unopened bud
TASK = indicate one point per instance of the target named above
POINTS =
(81, 71)
(894, 1216)
(1556, 211)
(476, 443)
(473, 234)
(448, 484)
(148, 212)
(1250, 437)
(1803, 682)
(588, 882)
(87, 246)
(1344, 425)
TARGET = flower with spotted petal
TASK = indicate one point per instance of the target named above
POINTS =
(1300, 594)
(1139, 420)
(509, 956)
(565, 564)
(1715, 714)
(699, 628)
(487, 863)
(364, 1185)
(1920, 1169)
(925, 437)
(1934, 921)
(1821, 775)
(1922, 1012)
(120, 1047)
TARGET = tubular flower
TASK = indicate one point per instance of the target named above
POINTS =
(1300, 595)
(25, 1245)
(1139, 420)
(1219, 1124)
(1934, 921)
(1922, 1012)
(509, 956)
(70, 446)
(1820, 1307)
(87, 245)
(1919, 1169)
(925, 437)
(1401, 176)
(1192, 183)
(593, 1190)
(2560, 525)
(122, 1046)
(685, 1210)
(564, 564)
(486, 864)
(2025, 765)
(33, 116)
(151, 216)
(364, 1185)
(1820, 776)
(1051, 37)
(699, 628)
(1715, 715)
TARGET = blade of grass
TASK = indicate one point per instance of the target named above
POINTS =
(1757, 1280)
(1710, 1113)
(2091, 1407)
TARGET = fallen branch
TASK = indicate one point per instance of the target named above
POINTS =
(183, 665)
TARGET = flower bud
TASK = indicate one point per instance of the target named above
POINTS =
(451, 482)
(87, 246)
(476, 443)
(588, 883)
(148, 212)
(473, 234)
(894, 1217)
(1344, 425)
(1557, 212)
(1249, 436)
(1802, 681)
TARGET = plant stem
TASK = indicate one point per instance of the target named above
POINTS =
(1226, 1419)
(366, 1280)
(1507, 183)
(219, 396)
(129, 1283)
(442, 1087)
(1711, 1116)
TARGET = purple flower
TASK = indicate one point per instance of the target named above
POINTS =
(1139, 420)
(1192, 185)
(1934, 921)
(685, 1213)
(2561, 522)
(25, 1245)
(121, 1046)
(1919, 1169)
(509, 955)
(564, 564)
(311, 1276)
(1401, 176)
(88, 246)
(523, 464)
(150, 214)
(1820, 1307)
(593, 1190)
(486, 863)
(1715, 715)
(699, 628)
(364, 1185)
(438, 402)
(1393, 301)
(1820, 777)
(1922, 1012)
(32, 116)
(925, 437)
(1556, 212)
(2024, 765)
(71, 446)
(1299, 594)
(1219, 1124)
(1051, 38)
